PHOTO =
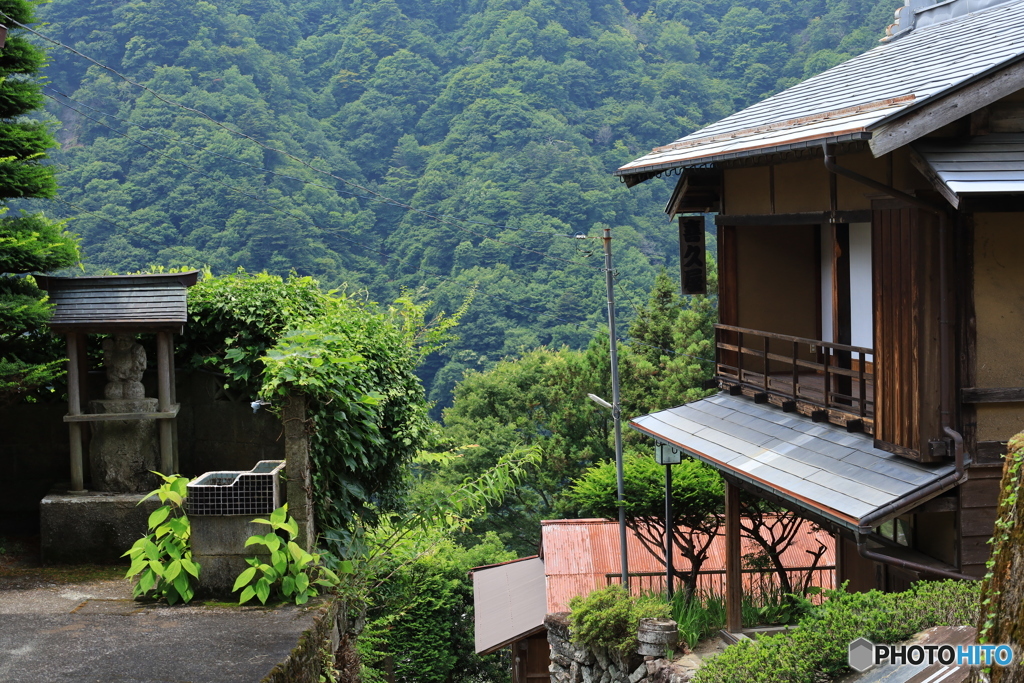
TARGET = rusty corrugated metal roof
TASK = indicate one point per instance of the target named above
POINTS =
(850, 100)
(579, 554)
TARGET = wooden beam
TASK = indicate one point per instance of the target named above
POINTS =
(163, 369)
(733, 560)
(995, 395)
(806, 218)
(928, 172)
(75, 408)
(945, 110)
(108, 417)
(989, 452)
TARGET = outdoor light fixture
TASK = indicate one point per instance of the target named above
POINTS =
(667, 454)
(3, 35)
(599, 401)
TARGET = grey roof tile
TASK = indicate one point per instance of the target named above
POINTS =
(861, 93)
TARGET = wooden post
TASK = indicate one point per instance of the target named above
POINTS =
(840, 560)
(75, 408)
(163, 363)
(733, 569)
(296, 468)
(174, 401)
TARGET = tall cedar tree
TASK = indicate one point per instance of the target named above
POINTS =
(29, 243)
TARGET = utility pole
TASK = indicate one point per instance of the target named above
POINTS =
(616, 407)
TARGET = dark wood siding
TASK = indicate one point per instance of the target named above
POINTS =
(979, 497)
(905, 246)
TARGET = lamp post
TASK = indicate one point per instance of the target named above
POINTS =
(620, 497)
(666, 454)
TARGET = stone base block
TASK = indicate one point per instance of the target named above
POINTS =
(91, 527)
(218, 545)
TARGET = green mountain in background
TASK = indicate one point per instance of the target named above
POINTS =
(499, 121)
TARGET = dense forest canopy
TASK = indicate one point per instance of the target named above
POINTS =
(441, 144)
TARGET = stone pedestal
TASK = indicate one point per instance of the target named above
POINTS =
(83, 528)
(122, 453)
(218, 545)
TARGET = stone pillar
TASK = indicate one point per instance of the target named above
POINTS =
(123, 452)
(296, 469)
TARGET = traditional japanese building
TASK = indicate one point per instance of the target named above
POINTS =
(869, 353)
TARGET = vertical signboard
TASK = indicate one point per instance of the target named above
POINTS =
(692, 256)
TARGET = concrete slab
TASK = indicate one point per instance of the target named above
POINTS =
(93, 632)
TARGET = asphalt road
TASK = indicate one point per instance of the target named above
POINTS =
(93, 631)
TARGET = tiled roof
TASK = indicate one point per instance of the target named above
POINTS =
(818, 467)
(849, 100)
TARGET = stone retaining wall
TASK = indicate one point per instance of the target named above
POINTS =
(571, 663)
(316, 645)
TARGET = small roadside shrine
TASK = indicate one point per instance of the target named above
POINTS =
(116, 441)
(122, 306)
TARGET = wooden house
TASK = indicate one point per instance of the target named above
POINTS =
(871, 234)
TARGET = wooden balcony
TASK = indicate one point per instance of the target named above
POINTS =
(825, 381)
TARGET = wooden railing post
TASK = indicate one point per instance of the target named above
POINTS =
(766, 348)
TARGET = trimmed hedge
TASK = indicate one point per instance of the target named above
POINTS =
(817, 646)
(609, 617)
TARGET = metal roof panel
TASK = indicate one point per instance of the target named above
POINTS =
(822, 468)
(510, 601)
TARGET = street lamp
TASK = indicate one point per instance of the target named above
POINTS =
(666, 454)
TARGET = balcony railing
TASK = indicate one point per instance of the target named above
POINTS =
(826, 381)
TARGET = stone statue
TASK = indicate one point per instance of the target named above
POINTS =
(125, 362)
(123, 452)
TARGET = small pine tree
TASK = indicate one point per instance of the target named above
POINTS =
(29, 243)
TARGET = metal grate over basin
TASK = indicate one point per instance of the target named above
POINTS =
(256, 492)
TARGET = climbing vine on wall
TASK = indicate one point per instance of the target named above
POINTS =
(366, 413)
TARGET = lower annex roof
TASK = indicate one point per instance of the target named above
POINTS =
(815, 466)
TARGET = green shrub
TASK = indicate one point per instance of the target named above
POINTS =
(818, 644)
(292, 572)
(162, 559)
(609, 617)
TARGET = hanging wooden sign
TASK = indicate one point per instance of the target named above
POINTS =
(692, 255)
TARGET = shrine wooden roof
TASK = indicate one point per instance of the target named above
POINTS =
(139, 303)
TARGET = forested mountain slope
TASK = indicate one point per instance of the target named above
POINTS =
(498, 120)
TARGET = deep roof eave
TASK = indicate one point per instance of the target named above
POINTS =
(739, 154)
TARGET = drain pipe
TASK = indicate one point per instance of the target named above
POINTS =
(946, 369)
